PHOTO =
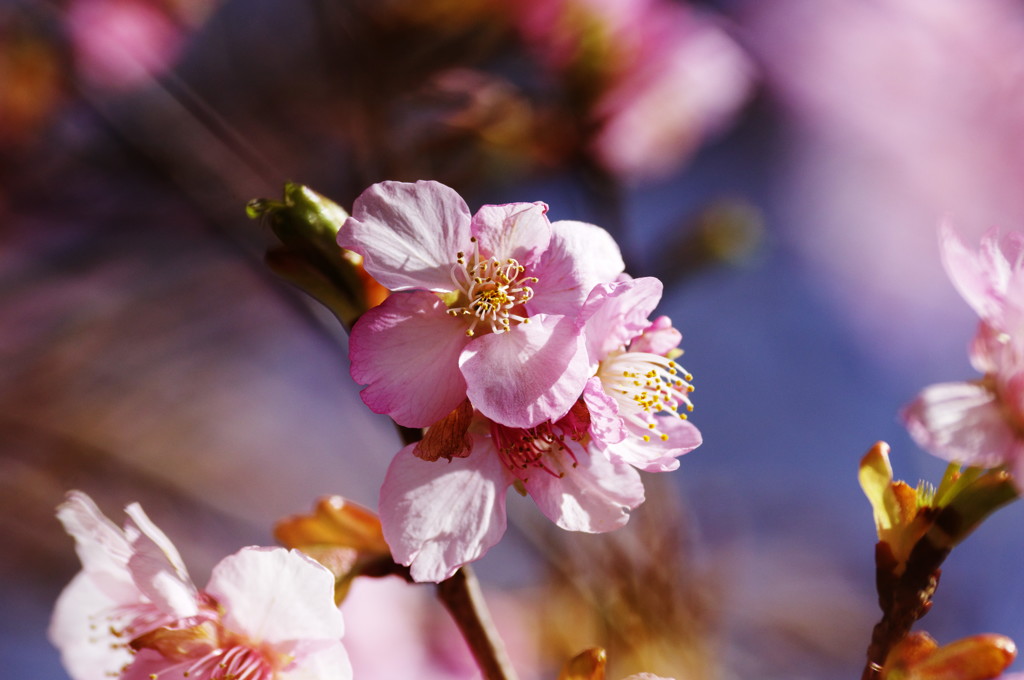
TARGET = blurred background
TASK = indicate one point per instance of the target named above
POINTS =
(782, 166)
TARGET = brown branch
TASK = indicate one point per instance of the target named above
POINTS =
(903, 599)
(463, 599)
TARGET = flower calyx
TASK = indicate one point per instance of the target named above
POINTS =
(307, 224)
(941, 516)
(343, 536)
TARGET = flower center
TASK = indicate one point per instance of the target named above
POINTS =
(543, 447)
(645, 385)
(239, 662)
(488, 290)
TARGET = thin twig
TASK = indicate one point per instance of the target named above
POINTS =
(462, 597)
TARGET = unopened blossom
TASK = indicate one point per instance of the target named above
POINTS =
(484, 306)
(981, 422)
(133, 612)
(580, 469)
(978, 657)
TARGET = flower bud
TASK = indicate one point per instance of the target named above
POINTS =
(307, 225)
(979, 657)
(343, 536)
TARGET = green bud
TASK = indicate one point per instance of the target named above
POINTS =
(307, 225)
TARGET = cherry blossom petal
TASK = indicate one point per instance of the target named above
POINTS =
(147, 663)
(85, 655)
(658, 455)
(605, 423)
(594, 496)
(517, 230)
(978, 279)
(579, 257)
(990, 280)
(100, 544)
(330, 663)
(438, 516)
(408, 234)
(658, 338)
(406, 351)
(961, 422)
(533, 373)
(157, 568)
(615, 313)
(276, 595)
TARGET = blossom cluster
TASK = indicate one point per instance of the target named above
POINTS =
(529, 356)
(133, 612)
(981, 422)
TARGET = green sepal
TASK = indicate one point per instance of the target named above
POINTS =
(307, 226)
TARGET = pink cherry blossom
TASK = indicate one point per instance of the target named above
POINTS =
(134, 613)
(991, 280)
(981, 422)
(640, 390)
(484, 306)
(580, 470)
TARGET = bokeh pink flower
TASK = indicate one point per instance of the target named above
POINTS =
(134, 613)
(981, 422)
(120, 44)
(883, 141)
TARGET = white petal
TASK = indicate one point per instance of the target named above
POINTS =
(157, 568)
(330, 663)
(80, 631)
(276, 595)
(595, 496)
(961, 422)
(439, 515)
(100, 544)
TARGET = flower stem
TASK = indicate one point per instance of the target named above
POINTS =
(904, 598)
(462, 597)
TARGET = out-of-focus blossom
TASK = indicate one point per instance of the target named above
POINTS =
(658, 76)
(579, 469)
(134, 613)
(991, 280)
(885, 141)
(485, 306)
(979, 422)
(120, 44)
(32, 84)
(919, 657)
